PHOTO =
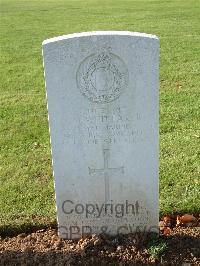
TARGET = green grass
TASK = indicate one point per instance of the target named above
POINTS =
(156, 246)
(26, 182)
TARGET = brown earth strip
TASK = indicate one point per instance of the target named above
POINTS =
(44, 247)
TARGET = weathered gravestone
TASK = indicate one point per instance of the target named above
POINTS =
(102, 92)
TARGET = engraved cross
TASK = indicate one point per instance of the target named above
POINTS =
(106, 172)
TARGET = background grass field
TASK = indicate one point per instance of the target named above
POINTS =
(26, 182)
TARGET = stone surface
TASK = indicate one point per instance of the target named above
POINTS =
(102, 92)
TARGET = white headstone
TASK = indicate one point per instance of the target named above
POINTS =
(102, 92)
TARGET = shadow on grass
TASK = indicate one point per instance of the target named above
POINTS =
(27, 228)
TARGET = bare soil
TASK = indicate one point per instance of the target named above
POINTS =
(44, 247)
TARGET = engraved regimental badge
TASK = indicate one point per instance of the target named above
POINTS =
(103, 77)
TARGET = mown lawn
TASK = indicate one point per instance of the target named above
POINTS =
(26, 182)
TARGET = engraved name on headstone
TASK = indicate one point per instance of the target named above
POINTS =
(102, 93)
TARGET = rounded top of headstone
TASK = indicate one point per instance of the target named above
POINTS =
(99, 33)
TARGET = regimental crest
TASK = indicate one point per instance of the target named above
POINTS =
(103, 77)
